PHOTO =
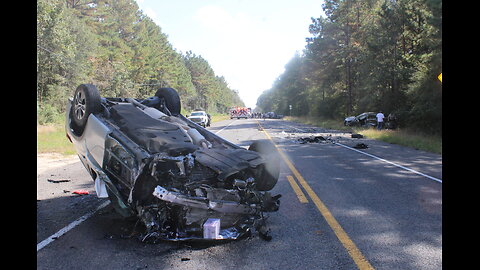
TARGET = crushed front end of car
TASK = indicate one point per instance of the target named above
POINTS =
(180, 180)
(190, 190)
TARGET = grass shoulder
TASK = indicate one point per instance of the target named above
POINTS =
(220, 117)
(51, 138)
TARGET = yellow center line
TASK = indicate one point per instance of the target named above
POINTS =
(301, 197)
(351, 248)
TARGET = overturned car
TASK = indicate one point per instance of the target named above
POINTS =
(180, 180)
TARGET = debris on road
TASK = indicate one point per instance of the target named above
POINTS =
(58, 181)
(319, 135)
(360, 146)
(315, 139)
(80, 192)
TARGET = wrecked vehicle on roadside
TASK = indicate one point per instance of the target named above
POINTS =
(180, 180)
(366, 119)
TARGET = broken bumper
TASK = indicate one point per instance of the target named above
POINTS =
(224, 207)
(206, 219)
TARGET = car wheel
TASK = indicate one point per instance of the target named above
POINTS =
(172, 99)
(269, 175)
(86, 100)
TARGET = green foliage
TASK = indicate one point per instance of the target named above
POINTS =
(213, 93)
(367, 56)
(114, 46)
(48, 114)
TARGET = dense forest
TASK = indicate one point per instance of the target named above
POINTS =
(116, 47)
(364, 55)
(367, 55)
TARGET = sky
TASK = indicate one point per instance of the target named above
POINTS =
(248, 42)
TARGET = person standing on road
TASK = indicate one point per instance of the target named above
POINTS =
(380, 117)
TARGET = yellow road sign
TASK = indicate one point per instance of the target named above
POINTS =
(440, 77)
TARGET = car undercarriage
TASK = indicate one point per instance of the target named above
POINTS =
(180, 180)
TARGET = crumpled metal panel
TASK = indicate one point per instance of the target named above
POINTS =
(227, 162)
(202, 203)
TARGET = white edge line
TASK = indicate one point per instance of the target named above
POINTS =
(224, 127)
(394, 164)
(70, 226)
(384, 160)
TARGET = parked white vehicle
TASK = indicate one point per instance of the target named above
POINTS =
(200, 117)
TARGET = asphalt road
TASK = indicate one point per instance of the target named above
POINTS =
(373, 208)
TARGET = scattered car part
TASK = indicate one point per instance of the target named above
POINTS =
(360, 146)
(80, 192)
(357, 136)
(58, 181)
(314, 139)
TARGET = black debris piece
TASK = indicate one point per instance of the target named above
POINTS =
(357, 136)
(361, 146)
(315, 139)
(58, 181)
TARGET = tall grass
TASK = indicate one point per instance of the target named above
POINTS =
(412, 139)
(220, 117)
(52, 138)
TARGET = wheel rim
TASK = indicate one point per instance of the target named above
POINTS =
(79, 107)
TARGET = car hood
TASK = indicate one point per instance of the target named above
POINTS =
(350, 118)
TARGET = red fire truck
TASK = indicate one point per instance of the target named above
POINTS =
(240, 112)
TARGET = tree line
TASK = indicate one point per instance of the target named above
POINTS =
(116, 47)
(367, 55)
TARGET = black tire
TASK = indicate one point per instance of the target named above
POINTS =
(268, 176)
(172, 99)
(86, 101)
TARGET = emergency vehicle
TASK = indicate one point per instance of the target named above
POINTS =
(240, 112)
